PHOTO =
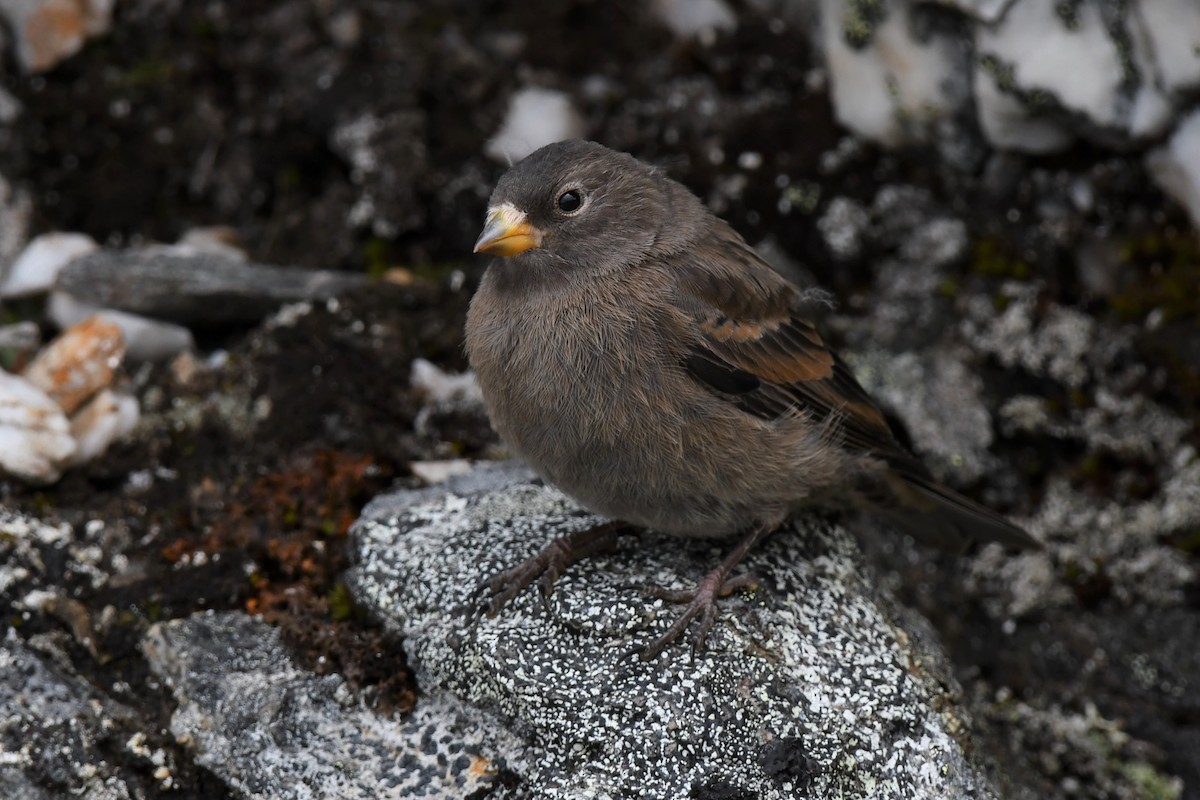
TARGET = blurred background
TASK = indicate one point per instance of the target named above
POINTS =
(235, 257)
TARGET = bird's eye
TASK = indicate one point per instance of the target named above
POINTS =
(569, 202)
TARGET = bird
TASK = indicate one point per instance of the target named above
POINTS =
(640, 356)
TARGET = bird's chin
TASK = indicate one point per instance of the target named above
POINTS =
(529, 271)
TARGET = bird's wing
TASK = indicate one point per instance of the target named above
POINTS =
(755, 349)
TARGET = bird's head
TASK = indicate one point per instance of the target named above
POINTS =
(578, 207)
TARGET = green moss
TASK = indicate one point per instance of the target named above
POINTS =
(1161, 272)
(1150, 783)
(1189, 542)
(948, 288)
(988, 258)
(860, 19)
(341, 604)
(288, 177)
(377, 255)
(148, 72)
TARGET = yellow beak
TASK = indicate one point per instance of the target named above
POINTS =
(507, 232)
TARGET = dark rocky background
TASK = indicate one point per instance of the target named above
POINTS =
(350, 136)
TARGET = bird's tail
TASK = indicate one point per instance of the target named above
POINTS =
(937, 515)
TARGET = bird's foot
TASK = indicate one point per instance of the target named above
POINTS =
(545, 567)
(701, 601)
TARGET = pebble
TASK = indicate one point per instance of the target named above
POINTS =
(107, 418)
(536, 117)
(36, 269)
(49, 31)
(79, 363)
(145, 339)
(35, 441)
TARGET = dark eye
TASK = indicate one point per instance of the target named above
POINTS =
(569, 202)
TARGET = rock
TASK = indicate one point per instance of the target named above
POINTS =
(21, 339)
(809, 687)
(10, 107)
(269, 728)
(695, 19)
(1170, 32)
(536, 117)
(435, 385)
(1176, 166)
(50, 31)
(1037, 75)
(431, 472)
(107, 418)
(887, 84)
(982, 10)
(1037, 65)
(145, 339)
(16, 211)
(37, 268)
(35, 442)
(78, 363)
(55, 730)
(201, 289)
(216, 240)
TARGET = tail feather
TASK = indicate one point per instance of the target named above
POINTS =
(939, 516)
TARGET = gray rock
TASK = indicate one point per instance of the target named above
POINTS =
(810, 686)
(271, 729)
(194, 289)
(54, 730)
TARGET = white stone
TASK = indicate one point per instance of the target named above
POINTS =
(1171, 29)
(431, 472)
(1081, 67)
(536, 117)
(688, 19)
(438, 386)
(35, 442)
(145, 339)
(894, 88)
(49, 31)
(217, 240)
(10, 107)
(982, 10)
(1007, 124)
(37, 268)
(107, 418)
(1176, 166)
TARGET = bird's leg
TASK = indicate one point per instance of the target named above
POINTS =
(702, 599)
(548, 565)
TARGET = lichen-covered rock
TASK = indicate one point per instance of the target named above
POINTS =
(809, 687)
(271, 729)
(54, 730)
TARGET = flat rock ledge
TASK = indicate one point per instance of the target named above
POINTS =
(811, 685)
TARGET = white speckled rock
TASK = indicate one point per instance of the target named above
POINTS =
(58, 731)
(271, 729)
(809, 688)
